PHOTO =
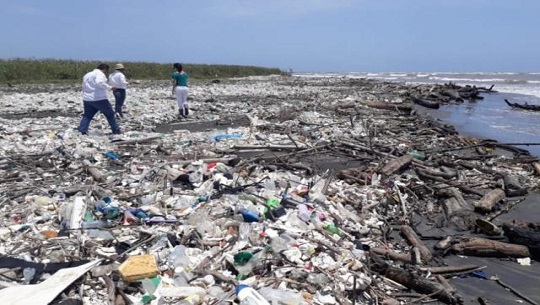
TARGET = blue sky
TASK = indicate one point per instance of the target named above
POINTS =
(305, 35)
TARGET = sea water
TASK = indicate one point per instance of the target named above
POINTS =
(490, 118)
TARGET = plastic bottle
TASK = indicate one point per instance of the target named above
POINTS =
(279, 296)
(178, 256)
(28, 274)
(332, 229)
(249, 216)
(249, 296)
(303, 212)
(98, 224)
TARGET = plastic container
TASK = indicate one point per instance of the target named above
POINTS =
(249, 296)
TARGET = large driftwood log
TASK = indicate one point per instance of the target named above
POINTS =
(455, 203)
(427, 103)
(527, 234)
(414, 281)
(408, 233)
(396, 165)
(488, 202)
(489, 248)
(387, 106)
(96, 174)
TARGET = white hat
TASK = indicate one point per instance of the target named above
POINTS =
(119, 67)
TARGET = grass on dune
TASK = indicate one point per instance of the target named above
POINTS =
(19, 71)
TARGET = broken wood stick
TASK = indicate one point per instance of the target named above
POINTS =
(450, 269)
(421, 173)
(414, 281)
(387, 106)
(136, 141)
(408, 233)
(489, 200)
(536, 166)
(96, 174)
(395, 256)
(396, 165)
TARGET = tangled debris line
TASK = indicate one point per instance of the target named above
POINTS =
(307, 190)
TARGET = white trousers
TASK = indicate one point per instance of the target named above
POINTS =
(181, 98)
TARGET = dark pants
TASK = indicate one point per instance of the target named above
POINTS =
(120, 97)
(90, 110)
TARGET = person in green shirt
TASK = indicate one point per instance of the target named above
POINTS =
(180, 87)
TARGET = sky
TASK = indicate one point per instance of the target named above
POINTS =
(302, 35)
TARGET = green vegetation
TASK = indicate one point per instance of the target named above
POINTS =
(54, 70)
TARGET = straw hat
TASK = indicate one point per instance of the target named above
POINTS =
(119, 67)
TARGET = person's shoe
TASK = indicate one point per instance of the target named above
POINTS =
(117, 131)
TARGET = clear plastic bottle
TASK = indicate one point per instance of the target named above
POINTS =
(279, 296)
(303, 212)
(249, 296)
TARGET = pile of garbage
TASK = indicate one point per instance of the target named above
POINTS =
(281, 190)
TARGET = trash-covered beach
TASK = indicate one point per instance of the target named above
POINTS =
(307, 190)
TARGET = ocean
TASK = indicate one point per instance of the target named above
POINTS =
(490, 118)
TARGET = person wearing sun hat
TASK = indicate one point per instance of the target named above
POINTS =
(117, 80)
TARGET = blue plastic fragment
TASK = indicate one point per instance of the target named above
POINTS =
(112, 155)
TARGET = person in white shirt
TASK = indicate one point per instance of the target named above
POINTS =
(117, 80)
(95, 99)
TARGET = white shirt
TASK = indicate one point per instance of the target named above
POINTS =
(117, 80)
(95, 86)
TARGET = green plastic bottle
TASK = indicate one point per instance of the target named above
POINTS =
(332, 229)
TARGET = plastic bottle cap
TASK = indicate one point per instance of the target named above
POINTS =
(240, 287)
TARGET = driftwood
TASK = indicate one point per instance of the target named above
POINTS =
(396, 165)
(408, 233)
(450, 269)
(427, 103)
(536, 166)
(523, 106)
(527, 234)
(489, 248)
(422, 174)
(267, 147)
(387, 106)
(136, 141)
(442, 174)
(402, 257)
(96, 174)
(488, 202)
(414, 281)
(457, 210)
(453, 94)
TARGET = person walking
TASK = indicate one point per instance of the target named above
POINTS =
(95, 99)
(117, 80)
(180, 87)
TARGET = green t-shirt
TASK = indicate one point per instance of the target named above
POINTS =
(181, 79)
